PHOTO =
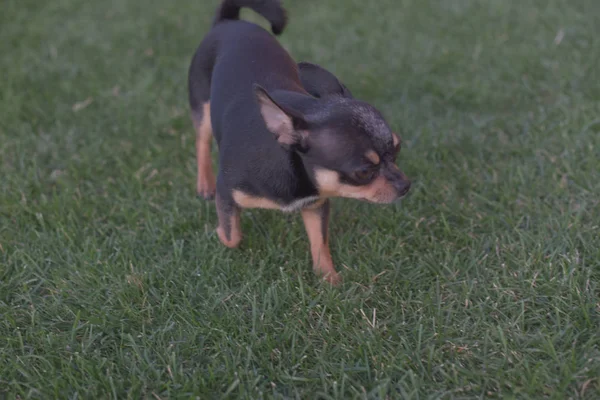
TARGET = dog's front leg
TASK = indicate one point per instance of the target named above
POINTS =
(229, 229)
(316, 222)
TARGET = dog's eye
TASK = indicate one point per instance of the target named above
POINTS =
(365, 174)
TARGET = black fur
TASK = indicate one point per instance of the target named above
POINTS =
(321, 83)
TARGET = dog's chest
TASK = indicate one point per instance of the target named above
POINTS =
(245, 200)
(299, 204)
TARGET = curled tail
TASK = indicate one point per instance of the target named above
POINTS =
(271, 10)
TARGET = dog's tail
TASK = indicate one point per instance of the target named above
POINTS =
(271, 10)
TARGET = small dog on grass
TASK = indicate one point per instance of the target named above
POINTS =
(290, 136)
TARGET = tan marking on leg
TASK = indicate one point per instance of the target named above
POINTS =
(246, 200)
(229, 229)
(235, 236)
(314, 221)
(205, 184)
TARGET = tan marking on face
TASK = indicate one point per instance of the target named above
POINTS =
(328, 182)
(372, 156)
(379, 190)
(205, 183)
(246, 200)
(319, 247)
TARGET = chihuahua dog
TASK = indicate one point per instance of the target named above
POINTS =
(290, 137)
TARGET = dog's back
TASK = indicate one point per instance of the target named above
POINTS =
(200, 71)
(248, 55)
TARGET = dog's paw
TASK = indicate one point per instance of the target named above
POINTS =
(206, 189)
(206, 195)
(333, 278)
(234, 238)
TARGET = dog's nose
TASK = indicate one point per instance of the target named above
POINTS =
(402, 187)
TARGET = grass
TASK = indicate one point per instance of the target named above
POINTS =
(484, 282)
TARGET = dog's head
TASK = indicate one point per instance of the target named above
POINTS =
(346, 144)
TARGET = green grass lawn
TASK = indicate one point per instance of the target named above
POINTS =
(483, 282)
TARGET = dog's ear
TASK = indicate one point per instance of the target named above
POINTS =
(346, 92)
(319, 82)
(396, 141)
(288, 125)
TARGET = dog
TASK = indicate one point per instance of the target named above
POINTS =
(289, 137)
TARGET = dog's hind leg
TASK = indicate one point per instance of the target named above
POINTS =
(199, 98)
(205, 180)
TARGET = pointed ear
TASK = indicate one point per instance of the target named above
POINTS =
(319, 82)
(283, 122)
(346, 92)
(396, 141)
